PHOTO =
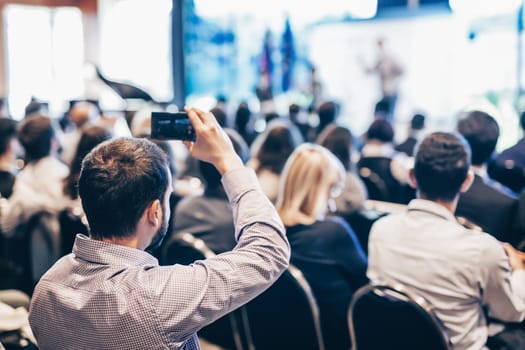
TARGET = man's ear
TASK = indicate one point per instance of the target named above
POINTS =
(468, 182)
(412, 178)
(154, 212)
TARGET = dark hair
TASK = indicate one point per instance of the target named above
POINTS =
(327, 112)
(242, 116)
(481, 132)
(441, 165)
(118, 180)
(380, 130)
(34, 107)
(293, 112)
(280, 141)
(210, 174)
(417, 122)
(7, 132)
(35, 134)
(91, 137)
(382, 108)
(338, 140)
(522, 120)
(220, 115)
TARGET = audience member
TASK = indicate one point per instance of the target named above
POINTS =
(38, 186)
(80, 115)
(417, 124)
(384, 171)
(220, 115)
(486, 204)
(103, 295)
(299, 118)
(9, 150)
(461, 273)
(328, 113)
(269, 153)
(209, 216)
(509, 166)
(339, 140)
(312, 177)
(243, 121)
(35, 107)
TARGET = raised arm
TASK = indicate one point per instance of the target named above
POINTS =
(221, 284)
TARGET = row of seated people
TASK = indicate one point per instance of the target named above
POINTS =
(302, 220)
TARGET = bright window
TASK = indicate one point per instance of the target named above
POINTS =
(135, 44)
(44, 56)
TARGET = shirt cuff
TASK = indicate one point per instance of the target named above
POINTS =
(239, 181)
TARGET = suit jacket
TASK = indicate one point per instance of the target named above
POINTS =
(407, 146)
(509, 167)
(489, 207)
(515, 153)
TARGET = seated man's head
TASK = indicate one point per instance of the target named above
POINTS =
(380, 131)
(125, 185)
(441, 169)
(37, 135)
(481, 132)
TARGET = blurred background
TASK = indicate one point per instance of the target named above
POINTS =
(454, 53)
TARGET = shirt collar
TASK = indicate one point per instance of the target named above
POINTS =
(106, 253)
(424, 205)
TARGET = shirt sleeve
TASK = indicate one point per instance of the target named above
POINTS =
(503, 290)
(190, 297)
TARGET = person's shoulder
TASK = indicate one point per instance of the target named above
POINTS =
(335, 222)
(491, 250)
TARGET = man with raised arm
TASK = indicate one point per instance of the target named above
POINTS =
(110, 294)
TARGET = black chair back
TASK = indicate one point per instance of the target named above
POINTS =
(33, 249)
(333, 289)
(285, 316)
(381, 183)
(384, 317)
(185, 249)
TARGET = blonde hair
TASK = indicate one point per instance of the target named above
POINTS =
(307, 179)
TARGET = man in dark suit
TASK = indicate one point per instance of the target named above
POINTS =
(487, 204)
(509, 167)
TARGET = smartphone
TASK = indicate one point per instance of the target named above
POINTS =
(171, 126)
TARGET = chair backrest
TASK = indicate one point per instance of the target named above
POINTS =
(386, 317)
(285, 316)
(381, 183)
(375, 186)
(333, 288)
(34, 248)
(72, 221)
(184, 249)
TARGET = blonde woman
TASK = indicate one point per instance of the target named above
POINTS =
(324, 248)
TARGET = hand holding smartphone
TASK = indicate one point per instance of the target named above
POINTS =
(172, 126)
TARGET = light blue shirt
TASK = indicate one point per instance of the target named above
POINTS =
(107, 296)
(457, 270)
